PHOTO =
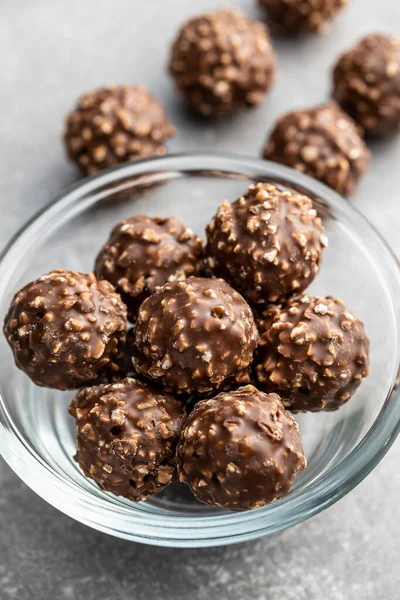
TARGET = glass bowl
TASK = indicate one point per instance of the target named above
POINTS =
(36, 432)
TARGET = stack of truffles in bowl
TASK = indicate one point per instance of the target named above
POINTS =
(226, 328)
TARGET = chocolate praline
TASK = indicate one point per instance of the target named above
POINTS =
(323, 142)
(240, 450)
(222, 61)
(366, 82)
(267, 244)
(127, 433)
(290, 17)
(65, 328)
(313, 352)
(113, 125)
(143, 253)
(195, 336)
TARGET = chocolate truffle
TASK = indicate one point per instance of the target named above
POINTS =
(222, 61)
(113, 125)
(126, 437)
(322, 142)
(267, 244)
(64, 328)
(313, 352)
(240, 450)
(143, 253)
(193, 336)
(366, 82)
(291, 17)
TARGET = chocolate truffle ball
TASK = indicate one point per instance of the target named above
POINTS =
(193, 336)
(222, 61)
(143, 253)
(64, 328)
(313, 352)
(113, 125)
(322, 142)
(126, 437)
(290, 17)
(267, 244)
(240, 450)
(366, 82)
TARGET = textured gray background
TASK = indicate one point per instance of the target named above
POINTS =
(50, 53)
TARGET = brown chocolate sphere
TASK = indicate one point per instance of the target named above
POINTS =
(222, 61)
(113, 125)
(366, 82)
(144, 253)
(313, 352)
(126, 437)
(194, 336)
(323, 142)
(267, 244)
(291, 17)
(64, 328)
(240, 450)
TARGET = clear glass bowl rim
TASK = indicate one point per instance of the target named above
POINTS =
(161, 530)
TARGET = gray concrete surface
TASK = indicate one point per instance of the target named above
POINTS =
(51, 52)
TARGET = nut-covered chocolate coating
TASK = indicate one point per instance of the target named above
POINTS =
(193, 336)
(222, 61)
(267, 244)
(313, 352)
(290, 17)
(144, 253)
(323, 142)
(64, 328)
(240, 450)
(126, 437)
(366, 82)
(113, 125)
